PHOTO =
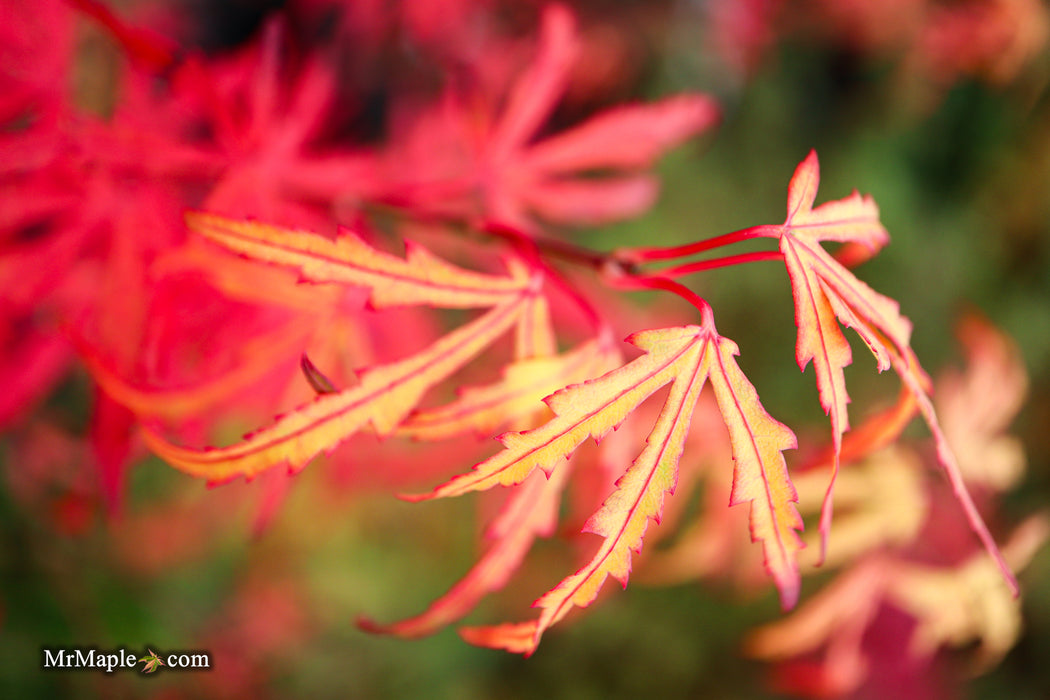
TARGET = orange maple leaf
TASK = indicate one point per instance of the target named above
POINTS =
(386, 394)
(824, 290)
(419, 278)
(384, 397)
(685, 357)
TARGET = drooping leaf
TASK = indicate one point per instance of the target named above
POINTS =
(761, 476)
(956, 606)
(977, 406)
(685, 357)
(825, 290)
(624, 517)
(708, 540)
(950, 605)
(910, 373)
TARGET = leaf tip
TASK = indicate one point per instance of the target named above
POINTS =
(518, 638)
(789, 594)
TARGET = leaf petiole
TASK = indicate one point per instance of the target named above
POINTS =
(727, 261)
(669, 285)
(643, 255)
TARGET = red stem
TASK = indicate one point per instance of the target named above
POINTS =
(551, 246)
(638, 282)
(619, 267)
(531, 249)
(640, 255)
(701, 265)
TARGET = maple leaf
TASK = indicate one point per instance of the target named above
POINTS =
(951, 606)
(826, 292)
(419, 278)
(384, 397)
(958, 605)
(491, 164)
(685, 357)
(709, 541)
(386, 394)
(152, 662)
(977, 406)
(824, 289)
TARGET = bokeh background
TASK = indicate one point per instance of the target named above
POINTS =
(940, 110)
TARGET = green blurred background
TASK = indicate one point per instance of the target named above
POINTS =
(961, 173)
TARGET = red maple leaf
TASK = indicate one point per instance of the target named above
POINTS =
(489, 163)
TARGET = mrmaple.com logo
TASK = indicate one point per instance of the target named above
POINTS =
(76, 658)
